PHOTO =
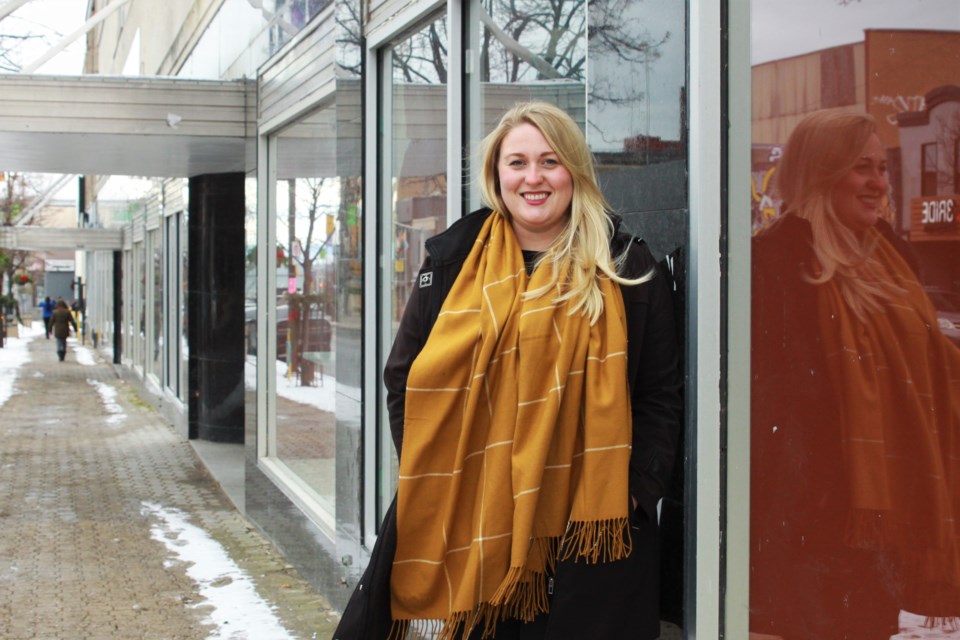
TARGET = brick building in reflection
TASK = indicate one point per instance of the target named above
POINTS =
(907, 79)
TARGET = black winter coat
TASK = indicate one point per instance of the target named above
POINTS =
(613, 600)
(805, 582)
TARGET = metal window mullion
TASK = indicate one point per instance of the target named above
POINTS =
(703, 597)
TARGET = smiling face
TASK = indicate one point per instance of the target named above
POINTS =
(859, 196)
(535, 187)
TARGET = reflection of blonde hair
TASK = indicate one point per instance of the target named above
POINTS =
(820, 152)
(582, 249)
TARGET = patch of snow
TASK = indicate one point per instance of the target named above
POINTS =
(84, 355)
(108, 394)
(14, 355)
(238, 611)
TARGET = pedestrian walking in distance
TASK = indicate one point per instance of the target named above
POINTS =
(60, 322)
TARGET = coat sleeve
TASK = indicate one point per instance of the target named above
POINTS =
(655, 383)
(406, 347)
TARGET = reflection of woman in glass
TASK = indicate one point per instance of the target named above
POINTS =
(856, 405)
(533, 386)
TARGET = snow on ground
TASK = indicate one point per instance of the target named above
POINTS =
(108, 394)
(13, 355)
(237, 611)
(912, 628)
(84, 355)
(323, 398)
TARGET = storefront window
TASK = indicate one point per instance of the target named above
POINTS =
(184, 285)
(313, 232)
(156, 351)
(140, 318)
(855, 394)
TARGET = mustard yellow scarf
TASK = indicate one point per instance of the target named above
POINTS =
(898, 383)
(516, 446)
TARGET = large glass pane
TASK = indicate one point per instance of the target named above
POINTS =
(528, 50)
(250, 308)
(313, 231)
(855, 396)
(140, 275)
(414, 150)
(156, 351)
(183, 299)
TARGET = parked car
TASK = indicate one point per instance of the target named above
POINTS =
(319, 331)
(948, 311)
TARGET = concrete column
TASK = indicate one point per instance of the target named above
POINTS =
(215, 307)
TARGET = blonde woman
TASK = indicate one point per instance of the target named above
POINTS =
(534, 400)
(856, 405)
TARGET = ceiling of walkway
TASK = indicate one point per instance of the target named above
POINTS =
(157, 127)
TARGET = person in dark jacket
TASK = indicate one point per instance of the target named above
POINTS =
(60, 323)
(854, 415)
(534, 399)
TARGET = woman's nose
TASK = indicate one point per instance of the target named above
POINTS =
(533, 175)
(878, 180)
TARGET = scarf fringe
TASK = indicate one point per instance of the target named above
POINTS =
(522, 595)
(597, 541)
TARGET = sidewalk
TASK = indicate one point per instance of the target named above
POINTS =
(111, 525)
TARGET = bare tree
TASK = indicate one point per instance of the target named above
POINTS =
(349, 51)
(422, 58)
(524, 40)
(948, 170)
(620, 43)
(16, 197)
(11, 46)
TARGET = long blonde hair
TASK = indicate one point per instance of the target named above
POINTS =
(820, 152)
(580, 254)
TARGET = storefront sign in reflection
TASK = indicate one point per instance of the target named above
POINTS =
(936, 214)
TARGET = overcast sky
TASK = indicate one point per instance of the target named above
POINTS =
(784, 28)
(52, 19)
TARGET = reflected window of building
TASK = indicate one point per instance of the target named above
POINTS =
(288, 17)
(928, 170)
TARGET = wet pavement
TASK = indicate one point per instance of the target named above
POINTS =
(111, 526)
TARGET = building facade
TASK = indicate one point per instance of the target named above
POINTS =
(258, 287)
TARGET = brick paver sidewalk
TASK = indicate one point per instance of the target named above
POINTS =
(77, 557)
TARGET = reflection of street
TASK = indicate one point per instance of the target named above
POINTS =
(913, 626)
(306, 443)
(306, 428)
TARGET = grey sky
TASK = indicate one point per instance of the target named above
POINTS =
(51, 19)
(785, 28)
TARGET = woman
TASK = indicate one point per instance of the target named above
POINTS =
(60, 323)
(533, 395)
(856, 405)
